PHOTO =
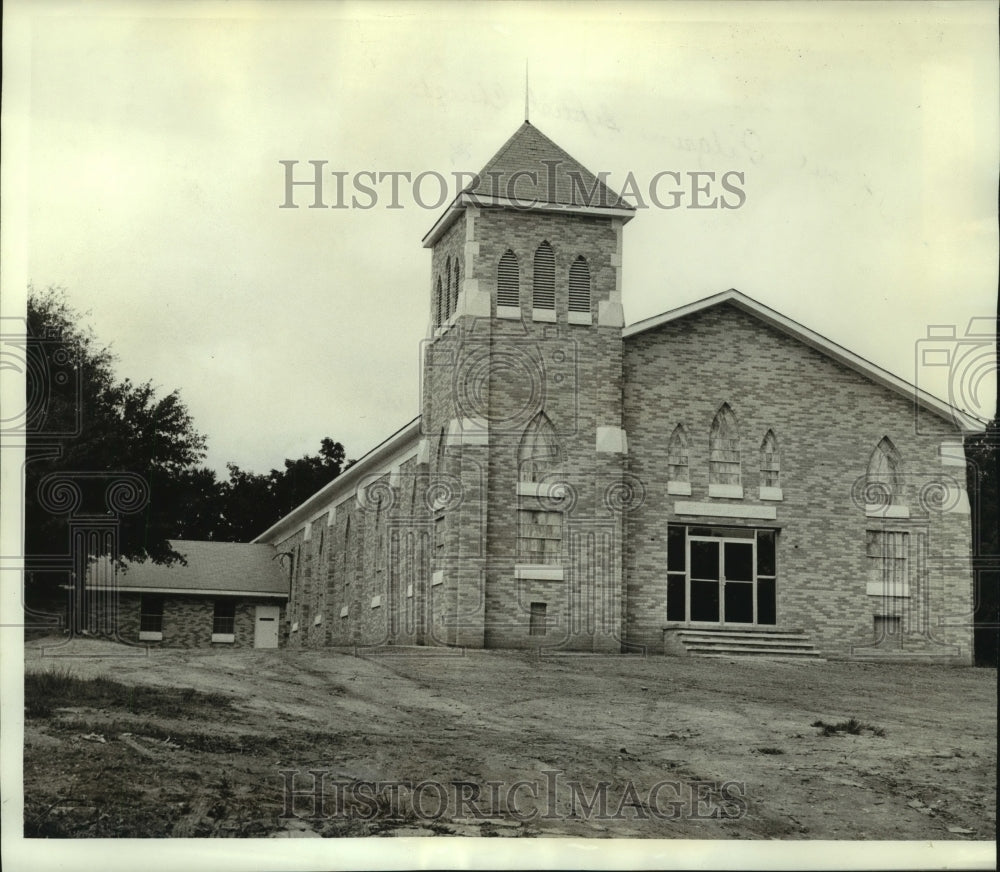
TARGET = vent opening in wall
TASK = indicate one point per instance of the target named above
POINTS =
(579, 286)
(536, 621)
(508, 281)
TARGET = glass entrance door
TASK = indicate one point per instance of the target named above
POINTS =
(706, 579)
(738, 583)
(722, 581)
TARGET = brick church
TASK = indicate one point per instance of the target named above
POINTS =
(715, 480)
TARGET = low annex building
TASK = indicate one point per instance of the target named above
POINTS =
(575, 484)
(229, 594)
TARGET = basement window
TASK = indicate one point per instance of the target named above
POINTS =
(536, 621)
(887, 628)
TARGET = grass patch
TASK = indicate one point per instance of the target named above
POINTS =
(190, 740)
(850, 727)
(59, 688)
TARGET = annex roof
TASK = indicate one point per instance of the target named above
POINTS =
(732, 297)
(232, 568)
(531, 172)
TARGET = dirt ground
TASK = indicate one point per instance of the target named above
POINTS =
(685, 748)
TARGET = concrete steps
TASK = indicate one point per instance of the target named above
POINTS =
(770, 644)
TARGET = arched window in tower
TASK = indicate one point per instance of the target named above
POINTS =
(438, 304)
(882, 480)
(724, 478)
(770, 468)
(447, 288)
(544, 285)
(540, 519)
(508, 281)
(441, 448)
(579, 286)
(455, 287)
(538, 452)
(678, 474)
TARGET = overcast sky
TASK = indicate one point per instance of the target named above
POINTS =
(868, 136)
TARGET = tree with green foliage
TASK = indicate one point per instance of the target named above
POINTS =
(253, 502)
(87, 430)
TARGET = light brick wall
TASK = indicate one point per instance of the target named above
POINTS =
(827, 419)
(572, 373)
(187, 621)
(387, 558)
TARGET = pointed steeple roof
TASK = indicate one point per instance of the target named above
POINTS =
(531, 172)
(531, 168)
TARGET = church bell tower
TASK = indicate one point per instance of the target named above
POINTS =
(522, 406)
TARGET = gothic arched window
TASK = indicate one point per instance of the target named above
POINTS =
(455, 287)
(538, 452)
(540, 523)
(724, 454)
(882, 485)
(678, 472)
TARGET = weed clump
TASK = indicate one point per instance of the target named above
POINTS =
(850, 727)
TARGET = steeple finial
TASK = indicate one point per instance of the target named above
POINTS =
(525, 89)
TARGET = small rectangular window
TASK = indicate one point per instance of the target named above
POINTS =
(151, 614)
(536, 624)
(887, 627)
(439, 535)
(224, 619)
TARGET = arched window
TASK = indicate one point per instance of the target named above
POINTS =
(455, 288)
(579, 286)
(677, 462)
(508, 280)
(438, 304)
(724, 454)
(442, 446)
(538, 452)
(540, 523)
(770, 462)
(882, 485)
(544, 286)
(348, 560)
(448, 289)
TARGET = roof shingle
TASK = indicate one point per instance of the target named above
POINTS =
(222, 567)
(530, 167)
